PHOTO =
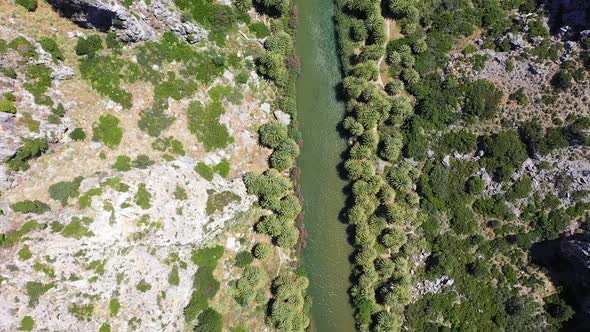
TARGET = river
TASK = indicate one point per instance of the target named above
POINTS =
(326, 254)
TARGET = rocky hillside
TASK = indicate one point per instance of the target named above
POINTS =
(126, 130)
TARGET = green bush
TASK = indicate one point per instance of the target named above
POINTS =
(205, 286)
(36, 207)
(481, 99)
(205, 171)
(32, 147)
(78, 134)
(143, 197)
(243, 258)
(39, 77)
(104, 73)
(142, 161)
(107, 130)
(51, 47)
(562, 80)
(122, 163)
(64, 190)
(209, 321)
(203, 122)
(30, 5)
(7, 106)
(153, 121)
(89, 46)
(259, 29)
(504, 152)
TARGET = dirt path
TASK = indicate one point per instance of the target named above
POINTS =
(387, 38)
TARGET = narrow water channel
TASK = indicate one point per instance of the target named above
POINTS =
(326, 255)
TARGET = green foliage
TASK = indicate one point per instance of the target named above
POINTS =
(114, 306)
(203, 122)
(89, 46)
(143, 286)
(30, 5)
(519, 96)
(180, 193)
(204, 170)
(105, 76)
(481, 99)
(82, 311)
(262, 251)
(13, 237)
(25, 253)
(205, 286)
(23, 47)
(243, 259)
(154, 121)
(475, 185)
(209, 321)
(169, 144)
(562, 80)
(35, 290)
(287, 305)
(251, 281)
(521, 189)
(77, 228)
(7, 106)
(504, 152)
(64, 190)
(107, 130)
(78, 134)
(142, 161)
(218, 201)
(36, 207)
(219, 19)
(86, 199)
(259, 29)
(50, 46)
(143, 197)
(122, 164)
(27, 324)
(39, 77)
(174, 277)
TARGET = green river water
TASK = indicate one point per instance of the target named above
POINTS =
(325, 256)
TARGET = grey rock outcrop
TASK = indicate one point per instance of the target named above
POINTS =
(144, 24)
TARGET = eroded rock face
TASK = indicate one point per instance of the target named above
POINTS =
(125, 251)
(143, 25)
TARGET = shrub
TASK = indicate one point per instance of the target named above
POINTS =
(143, 197)
(7, 106)
(51, 47)
(64, 190)
(481, 99)
(209, 321)
(205, 171)
(520, 97)
(104, 75)
(89, 46)
(78, 134)
(142, 161)
(203, 122)
(259, 29)
(39, 77)
(30, 5)
(503, 153)
(36, 207)
(122, 164)
(243, 258)
(77, 228)
(475, 185)
(27, 324)
(562, 80)
(108, 131)
(153, 121)
(32, 147)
